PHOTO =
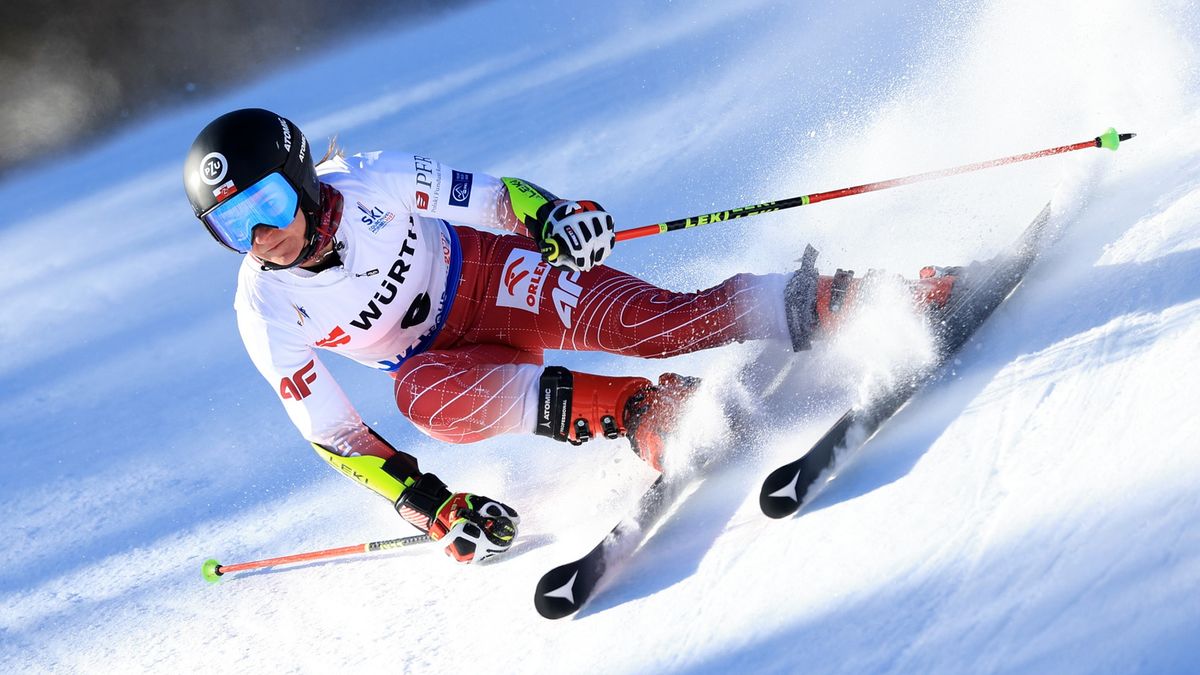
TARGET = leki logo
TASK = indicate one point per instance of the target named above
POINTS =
(336, 338)
(296, 387)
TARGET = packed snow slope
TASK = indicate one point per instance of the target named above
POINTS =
(1034, 512)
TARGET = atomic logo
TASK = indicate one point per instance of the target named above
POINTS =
(287, 136)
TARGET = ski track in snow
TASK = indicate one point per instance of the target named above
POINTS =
(1033, 512)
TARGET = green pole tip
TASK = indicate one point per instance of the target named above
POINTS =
(1109, 139)
(211, 575)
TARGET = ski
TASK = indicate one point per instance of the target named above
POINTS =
(987, 285)
(564, 589)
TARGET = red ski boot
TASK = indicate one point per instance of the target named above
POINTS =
(652, 413)
(932, 290)
(574, 407)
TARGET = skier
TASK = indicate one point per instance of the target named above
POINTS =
(355, 255)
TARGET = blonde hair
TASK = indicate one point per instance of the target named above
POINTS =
(334, 150)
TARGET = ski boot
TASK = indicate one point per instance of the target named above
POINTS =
(933, 288)
(652, 413)
(575, 407)
(815, 305)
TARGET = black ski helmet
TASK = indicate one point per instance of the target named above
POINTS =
(238, 149)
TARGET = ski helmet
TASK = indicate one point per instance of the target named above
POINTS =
(234, 166)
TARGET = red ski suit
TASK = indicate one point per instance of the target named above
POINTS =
(477, 379)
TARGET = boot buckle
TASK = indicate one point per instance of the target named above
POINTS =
(582, 433)
(609, 427)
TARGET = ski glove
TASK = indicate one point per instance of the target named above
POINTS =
(575, 235)
(470, 527)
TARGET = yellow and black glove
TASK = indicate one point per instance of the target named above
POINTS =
(577, 235)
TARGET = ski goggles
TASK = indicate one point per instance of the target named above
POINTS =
(272, 201)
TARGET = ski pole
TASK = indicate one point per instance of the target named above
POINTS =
(213, 570)
(1109, 139)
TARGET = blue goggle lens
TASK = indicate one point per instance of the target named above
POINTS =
(272, 201)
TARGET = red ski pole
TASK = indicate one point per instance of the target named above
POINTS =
(1109, 139)
(213, 570)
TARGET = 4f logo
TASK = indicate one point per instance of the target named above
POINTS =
(296, 387)
(566, 296)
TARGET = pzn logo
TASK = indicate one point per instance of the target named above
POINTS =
(213, 168)
(296, 387)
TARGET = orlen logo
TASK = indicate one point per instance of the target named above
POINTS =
(336, 338)
(525, 274)
(513, 276)
(422, 200)
(296, 387)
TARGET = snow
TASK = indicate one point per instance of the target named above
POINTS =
(1033, 513)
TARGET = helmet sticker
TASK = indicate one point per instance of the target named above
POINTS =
(213, 168)
(287, 135)
(225, 191)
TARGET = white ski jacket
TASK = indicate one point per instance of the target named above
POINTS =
(388, 299)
